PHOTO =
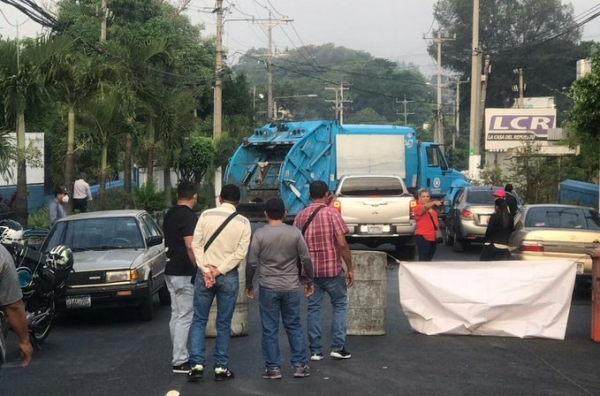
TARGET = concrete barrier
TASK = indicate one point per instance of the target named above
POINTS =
(240, 322)
(368, 297)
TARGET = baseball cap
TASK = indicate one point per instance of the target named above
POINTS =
(60, 190)
(500, 194)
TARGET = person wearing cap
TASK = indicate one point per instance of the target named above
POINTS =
(511, 200)
(55, 208)
(500, 194)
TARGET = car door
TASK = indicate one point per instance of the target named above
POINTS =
(454, 213)
(157, 254)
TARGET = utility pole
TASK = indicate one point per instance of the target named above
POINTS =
(339, 101)
(270, 25)
(336, 102)
(521, 88)
(405, 106)
(457, 111)
(474, 137)
(218, 93)
(438, 135)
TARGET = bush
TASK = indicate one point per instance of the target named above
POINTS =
(112, 199)
(149, 199)
(39, 219)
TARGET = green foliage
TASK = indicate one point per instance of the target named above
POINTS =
(147, 197)
(39, 219)
(194, 165)
(492, 176)
(535, 177)
(112, 199)
(367, 116)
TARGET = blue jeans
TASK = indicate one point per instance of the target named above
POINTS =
(287, 304)
(226, 291)
(337, 290)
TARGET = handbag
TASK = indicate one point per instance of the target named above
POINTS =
(439, 238)
(298, 262)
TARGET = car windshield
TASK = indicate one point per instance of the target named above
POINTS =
(371, 186)
(559, 217)
(96, 234)
(481, 197)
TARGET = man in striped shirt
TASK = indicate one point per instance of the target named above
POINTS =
(326, 240)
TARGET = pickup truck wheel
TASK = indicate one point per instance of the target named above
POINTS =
(458, 246)
(448, 240)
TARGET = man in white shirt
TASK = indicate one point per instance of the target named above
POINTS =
(217, 275)
(81, 194)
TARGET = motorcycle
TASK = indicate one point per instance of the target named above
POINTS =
(43, 279)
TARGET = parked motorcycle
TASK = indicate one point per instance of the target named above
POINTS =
(43, 279)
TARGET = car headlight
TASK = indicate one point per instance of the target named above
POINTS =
(121, 276)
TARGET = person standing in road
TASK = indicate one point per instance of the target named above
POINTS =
(427, 224)
(179, 224)
(511, 200)
(55, 207)
(325, 236)
(217, 276)
(497, 233)
(275, 249)
(81, 194)
(12, 303)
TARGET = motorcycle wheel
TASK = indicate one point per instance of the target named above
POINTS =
(39, 333)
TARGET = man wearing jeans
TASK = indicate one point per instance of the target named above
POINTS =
(217, 276)
(326, 240)
(178, 225)
(276, 248)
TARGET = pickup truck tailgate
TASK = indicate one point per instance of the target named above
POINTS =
(375, 210)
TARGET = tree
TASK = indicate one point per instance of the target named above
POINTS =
(539, 36)
(367, 116)
(22, 78)
(584, 119)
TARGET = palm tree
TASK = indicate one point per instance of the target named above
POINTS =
(21, 81)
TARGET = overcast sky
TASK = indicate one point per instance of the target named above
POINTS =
(391, 29)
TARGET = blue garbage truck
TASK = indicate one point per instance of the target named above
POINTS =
(281, 159)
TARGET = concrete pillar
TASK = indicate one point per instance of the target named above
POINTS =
(368, 297)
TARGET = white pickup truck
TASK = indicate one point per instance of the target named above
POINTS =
(377, 209)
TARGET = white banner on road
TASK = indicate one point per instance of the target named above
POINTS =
(492, 298)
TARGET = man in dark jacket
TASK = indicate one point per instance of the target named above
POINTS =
(511, 200)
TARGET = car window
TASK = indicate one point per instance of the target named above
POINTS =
(97, 233)
(432, 157)
(481, 197)
(559, 217)
(369, 186)
(151, 225)
(145, 228)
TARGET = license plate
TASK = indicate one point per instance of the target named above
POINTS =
(484, 219)
(579, 268)
(79, 302)
(375, 229)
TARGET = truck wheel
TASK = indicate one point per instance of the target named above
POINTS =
(448, 240)
(459, 245)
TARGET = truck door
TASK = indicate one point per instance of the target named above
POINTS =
(433, 168)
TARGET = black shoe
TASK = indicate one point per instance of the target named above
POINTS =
(183, 368)
(341, 354)
(196, 373)
(223, 374)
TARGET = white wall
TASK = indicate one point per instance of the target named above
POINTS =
(34, 175)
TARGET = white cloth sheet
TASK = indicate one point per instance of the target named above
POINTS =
(492, 298)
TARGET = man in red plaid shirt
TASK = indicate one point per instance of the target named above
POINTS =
(326, 240)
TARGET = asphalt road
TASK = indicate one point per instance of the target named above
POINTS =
(110, 353)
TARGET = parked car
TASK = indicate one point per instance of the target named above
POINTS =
(120, 260)
(547, 231)
(468, 214)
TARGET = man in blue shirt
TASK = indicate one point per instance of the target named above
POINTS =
(56, 210)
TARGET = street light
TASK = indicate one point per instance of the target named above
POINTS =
(275, 108)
